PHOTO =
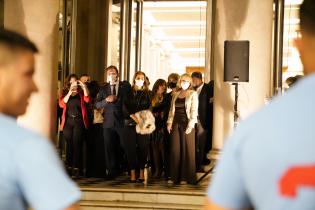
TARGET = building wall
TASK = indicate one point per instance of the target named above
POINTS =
(37, 19)
(242, 20)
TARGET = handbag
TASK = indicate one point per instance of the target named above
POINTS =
(98, 116)
(146, 122)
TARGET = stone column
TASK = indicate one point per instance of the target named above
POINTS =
(241, 20)
(37, 19)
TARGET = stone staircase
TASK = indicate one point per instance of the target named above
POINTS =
(141, 198)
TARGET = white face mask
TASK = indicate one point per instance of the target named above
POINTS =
(112, 78)
(185, 85)
(139, 82)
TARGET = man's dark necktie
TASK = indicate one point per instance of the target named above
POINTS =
(114, 90)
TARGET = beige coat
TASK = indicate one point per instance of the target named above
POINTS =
(191, 104)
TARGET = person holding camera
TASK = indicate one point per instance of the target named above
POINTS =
(74, 122)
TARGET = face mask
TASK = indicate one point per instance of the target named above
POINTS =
(185, 85)
(172, 85)
(139, 82)
(112, 78)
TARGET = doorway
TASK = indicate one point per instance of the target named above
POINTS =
(160, 37)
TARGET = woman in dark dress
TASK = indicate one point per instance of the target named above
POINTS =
(180, 124)
(74, 122)
(137, 146)
(158, 136)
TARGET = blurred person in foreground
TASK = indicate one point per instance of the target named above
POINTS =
(269, 162)
(31, 175)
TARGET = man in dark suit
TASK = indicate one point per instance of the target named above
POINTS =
(111, 98)
(205, 115)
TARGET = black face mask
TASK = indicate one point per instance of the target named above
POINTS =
(172, 85)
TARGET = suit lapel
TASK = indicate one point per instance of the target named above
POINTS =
(202, 92)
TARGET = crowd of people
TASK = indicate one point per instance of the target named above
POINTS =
(128, 127)
(268, 163)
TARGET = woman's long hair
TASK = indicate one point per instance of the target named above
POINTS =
(67, 84)
(145, 84)
(157, 84)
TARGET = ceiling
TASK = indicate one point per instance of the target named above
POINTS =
(180, 26)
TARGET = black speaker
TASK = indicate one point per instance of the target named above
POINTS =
(236, 61)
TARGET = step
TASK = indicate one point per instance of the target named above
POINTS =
(98, 205)
(116, 194)
(144, 195)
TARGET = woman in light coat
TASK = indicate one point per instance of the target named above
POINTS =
(181, 126)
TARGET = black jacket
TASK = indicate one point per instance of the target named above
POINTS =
(113, 112)
(205, 110)
(137, 101)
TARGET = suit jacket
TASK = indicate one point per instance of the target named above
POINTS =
(191, 105)
(113, 112)
(205, 109)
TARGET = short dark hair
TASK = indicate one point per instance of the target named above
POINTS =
(14, 41)
(84, 75)
(307, 16)
(112, 67)
(197, 74)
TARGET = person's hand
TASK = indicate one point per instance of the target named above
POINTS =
(111, 99)
(169, 128)
(188, 130)
(81, 84)
(72, 88)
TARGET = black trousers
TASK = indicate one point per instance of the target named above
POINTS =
(114, 139)
(95, 159)
(136, 147)
(158, 150)
(201, 139)
(73, 134)
(182, 155)
(167, 145)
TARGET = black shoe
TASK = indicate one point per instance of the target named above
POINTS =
(110, 175)
(140, 181)
(200, 170)
(75, 173)
(206, 162)
(69, 171)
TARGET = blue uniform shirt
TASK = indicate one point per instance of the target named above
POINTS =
(269, 162)
(31, 175)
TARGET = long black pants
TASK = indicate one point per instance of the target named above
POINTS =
(201, 139)
(73, 134)
(137, 146)
(158, 150)
(182, 155)
(113, 139)
(95, 152)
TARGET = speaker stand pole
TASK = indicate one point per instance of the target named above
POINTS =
(235, 104)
